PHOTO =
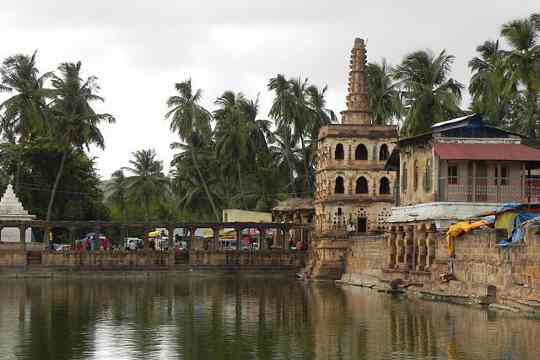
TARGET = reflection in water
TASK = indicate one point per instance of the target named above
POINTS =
(229, 317)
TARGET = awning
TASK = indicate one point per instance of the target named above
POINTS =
(499, 152)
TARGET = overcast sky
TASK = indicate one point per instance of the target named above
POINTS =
(139, 49)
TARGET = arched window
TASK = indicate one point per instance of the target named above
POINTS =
(360, 152)
(362, 185)
(340, 153)
(404, 176)
(428, 176)
(383, 152)
(415, 175)
(340, 188)
(384, 186)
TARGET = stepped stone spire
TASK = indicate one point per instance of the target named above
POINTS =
(11, 207)
(357, 99)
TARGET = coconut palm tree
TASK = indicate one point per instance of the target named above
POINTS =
(290, 109)
(384, 94)
(259, 129)
(146, 182)
(232, 134)
(24, 110)
(490, 86)
(191, 122)
(430, 96)
(185, 177)
(118, 188)
(285, 155)
(523, 64)
(73, 122)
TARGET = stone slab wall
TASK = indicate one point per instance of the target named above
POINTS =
(366, 255)
(108, 259)
(12, 258)
(249, 259)
(479, 260)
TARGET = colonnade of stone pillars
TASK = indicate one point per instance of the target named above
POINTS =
(72, 230)
(411, 247)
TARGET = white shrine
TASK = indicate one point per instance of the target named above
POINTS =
(11, 209)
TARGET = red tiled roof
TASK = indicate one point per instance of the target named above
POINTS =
(509, 152)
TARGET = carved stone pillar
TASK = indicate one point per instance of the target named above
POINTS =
(72, 231)
(238, 238)
(408, 243)
(391, 243)
(286, 238)
(421, 248)
(400, 247)
(146, 230)
(191, 237)
(97, 232)
(22, 235)
(215, 238)
(170, 231)
(46, 236)
(262, 242)
(431, 245)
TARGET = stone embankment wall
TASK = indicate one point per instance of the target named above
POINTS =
(366, 255)
(274, 258)
(19, 259)
(12, 258)
(107, 259)
(482, 271)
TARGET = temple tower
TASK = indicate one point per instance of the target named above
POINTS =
(354, 192)
(357, 99)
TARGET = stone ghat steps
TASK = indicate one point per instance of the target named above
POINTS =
(33, 258)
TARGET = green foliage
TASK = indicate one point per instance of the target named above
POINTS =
(80, 196)
(45, 132)
(230, 157)
(146, 184)
(384, 94)
(506, 82)
(429, 95)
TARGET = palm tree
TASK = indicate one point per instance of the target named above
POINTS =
(24, 111)
(290, 109)
(146, 182)
(74, 123)
(490, 86)
(191, 192)
(523, 63)
(259, 129)
(384, 95)
(429, 94)
(192, 123)
(232, 134)
(118, 188)
(285, 155)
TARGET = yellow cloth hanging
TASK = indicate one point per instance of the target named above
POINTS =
(459, 229)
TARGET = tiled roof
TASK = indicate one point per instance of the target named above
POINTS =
(502, 152)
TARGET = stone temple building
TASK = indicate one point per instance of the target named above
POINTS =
(354, 192)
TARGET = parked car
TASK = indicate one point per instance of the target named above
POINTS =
(61, 247)
(133, 243)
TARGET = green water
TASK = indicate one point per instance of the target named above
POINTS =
(230, 317)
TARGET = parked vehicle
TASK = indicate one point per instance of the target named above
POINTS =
(133, 243)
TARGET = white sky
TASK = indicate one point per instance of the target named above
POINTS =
(139, 49)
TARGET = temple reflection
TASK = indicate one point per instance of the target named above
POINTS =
(229, 317)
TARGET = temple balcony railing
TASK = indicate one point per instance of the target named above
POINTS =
(488, 190)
